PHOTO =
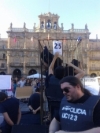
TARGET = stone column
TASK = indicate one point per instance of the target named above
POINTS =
(40, 24)
(86, 42)
(8, 58)
(24, 67)
(44, 25)
(72, 28)
(52, 24)
(34, 27)
(88, 65)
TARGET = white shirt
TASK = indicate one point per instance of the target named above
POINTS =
(21, 83)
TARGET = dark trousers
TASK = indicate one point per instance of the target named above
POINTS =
(5, 128)
(30, 119)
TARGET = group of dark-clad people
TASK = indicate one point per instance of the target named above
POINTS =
(73, 108)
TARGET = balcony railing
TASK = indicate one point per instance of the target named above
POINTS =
(75, 30)
(38, 29)
(16, 64)
(20, 30)
(3, 68)
(95, 49)
(32, 64)
(1, 58)
(19, 49)
(95, 68)
(95, 58)
(3, 39)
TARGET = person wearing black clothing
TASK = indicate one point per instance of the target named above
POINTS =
(27, 83)
(53, 91)
(79, 111)
(34, 102)
(47, 58)
(9, 107)
(70, 71)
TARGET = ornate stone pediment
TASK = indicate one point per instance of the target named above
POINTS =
(49, 14)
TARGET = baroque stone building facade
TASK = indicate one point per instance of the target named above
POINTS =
(20, 52)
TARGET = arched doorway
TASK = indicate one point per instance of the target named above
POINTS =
(2, 73)
(93, 75)
(32, 71)
(17, 73)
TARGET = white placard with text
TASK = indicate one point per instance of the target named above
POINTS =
(5, 82)
(57, 47)
(91, 84)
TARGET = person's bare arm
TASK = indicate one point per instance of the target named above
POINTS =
(93, 130)
(38, 108)
(19, 116)
(54, 126)
(7, 119)
(30, 107)
(35, 111)
(51, 67)
(80, 73)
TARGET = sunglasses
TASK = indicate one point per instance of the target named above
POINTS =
(66, 90)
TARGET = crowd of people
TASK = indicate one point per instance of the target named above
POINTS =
(15, 82)
(10, 106)
(72, 107)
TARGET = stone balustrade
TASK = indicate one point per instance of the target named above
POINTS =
(20, 30)
(94, 58)
(95, 68)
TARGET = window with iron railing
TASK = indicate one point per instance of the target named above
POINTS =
(93, 65)
(3, 46)
(4, 56)
(2, 65)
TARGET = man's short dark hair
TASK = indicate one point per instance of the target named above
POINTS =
(72, 81)
(59, 72)
(38, 89)
(75, 62)
(3, 96)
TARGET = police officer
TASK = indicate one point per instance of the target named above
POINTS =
(79, 111)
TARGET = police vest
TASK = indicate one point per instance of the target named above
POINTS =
(54, 90)
(77, 116)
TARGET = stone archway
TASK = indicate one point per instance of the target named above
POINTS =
(32, 71)
(17, 73)
(2, 73)
(93, 75)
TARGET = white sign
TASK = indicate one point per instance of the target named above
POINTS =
(91, 84)
(5, 82)
(57, 47)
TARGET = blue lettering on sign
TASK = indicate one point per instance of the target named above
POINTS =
(57, 45)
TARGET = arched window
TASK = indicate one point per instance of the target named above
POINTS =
(32, 71)
(17, 73)
(55, 25)
(42, 25)
(2, 73)
(48, 24)
(93, 75)
(4, 56)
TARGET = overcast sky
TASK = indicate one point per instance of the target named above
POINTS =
(79, 12)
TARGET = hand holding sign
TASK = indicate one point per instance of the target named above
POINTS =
(57, 47)
(57, 54)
